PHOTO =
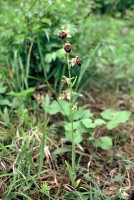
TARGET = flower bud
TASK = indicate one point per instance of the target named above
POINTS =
(64, 34)
(75, 61)
(67, 47)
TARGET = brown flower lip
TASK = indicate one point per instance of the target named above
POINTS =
(67, 47)
(64, 34)
(65, 96)
(66, 81)
(76, 61)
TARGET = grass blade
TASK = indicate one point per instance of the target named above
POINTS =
(42, 146)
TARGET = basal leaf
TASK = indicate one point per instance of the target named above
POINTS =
(112, 124)
(89, 124)
(104, 142)
(81, 114)
(58, 106)
(78, 130)
(115, 117)
(99, 122)
(120, 116)
(108, 114)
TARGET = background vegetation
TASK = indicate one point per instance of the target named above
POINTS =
(33, 125)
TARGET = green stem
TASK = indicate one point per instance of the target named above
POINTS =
(71, 113)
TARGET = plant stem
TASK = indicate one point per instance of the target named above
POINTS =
(71, 114)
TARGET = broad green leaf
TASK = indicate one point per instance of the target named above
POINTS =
(104, 142)
(110, 114)
(58, 106)
(4, 102)
(89, 124)
(50, 57)
(111, 125)
(78, 130)
(115, 117)
(53, 108)
(81, 114)
(99, 122)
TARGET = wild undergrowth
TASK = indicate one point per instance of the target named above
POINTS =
(62, 136)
